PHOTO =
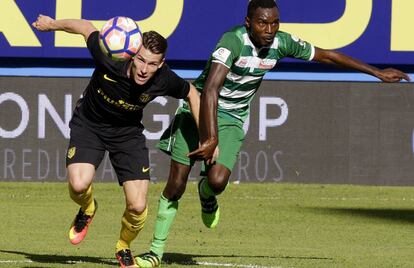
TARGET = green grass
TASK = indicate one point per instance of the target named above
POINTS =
(262, 225)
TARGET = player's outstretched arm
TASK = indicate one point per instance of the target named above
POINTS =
(334, 57)
(76, 26)
(208, 113)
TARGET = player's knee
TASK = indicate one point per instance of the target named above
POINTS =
(217, 185)
(137, 207)
(218, 178)
(78, 186)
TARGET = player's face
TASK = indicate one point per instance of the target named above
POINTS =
(144, 65)
(263, 26)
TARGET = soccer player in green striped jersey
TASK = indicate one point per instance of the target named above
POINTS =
(228, 83)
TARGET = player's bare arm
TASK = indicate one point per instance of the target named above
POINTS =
(208, 113)
(193, 99)
(76, 26)
(389, 75)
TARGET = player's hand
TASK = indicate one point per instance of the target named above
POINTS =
(214, 158)
(205, 151)
(44, 23)
(391, 75)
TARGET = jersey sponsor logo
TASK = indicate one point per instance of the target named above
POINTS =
(254, 62)
(120, 103)
(267, 64)
(106, 77)
(222, 54)
(242, 62)
(145, 169)
(71, 152)
(145, 98)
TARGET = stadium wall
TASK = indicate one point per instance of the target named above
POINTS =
(373, 31)
(298, 131)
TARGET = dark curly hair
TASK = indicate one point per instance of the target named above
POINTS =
(255, 4)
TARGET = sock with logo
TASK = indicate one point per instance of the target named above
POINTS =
(132, 224)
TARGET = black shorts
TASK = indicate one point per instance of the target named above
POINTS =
(126, 146)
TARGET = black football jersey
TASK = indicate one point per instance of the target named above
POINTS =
(111, 98)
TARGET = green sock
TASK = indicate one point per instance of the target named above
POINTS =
(165, 217)
(205, 189)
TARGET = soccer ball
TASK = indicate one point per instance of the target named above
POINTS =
(120, 38)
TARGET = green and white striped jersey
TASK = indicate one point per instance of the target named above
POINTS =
(248, 65)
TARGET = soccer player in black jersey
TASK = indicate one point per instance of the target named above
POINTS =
(108, 118)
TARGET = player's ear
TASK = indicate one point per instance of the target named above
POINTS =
(247, 22)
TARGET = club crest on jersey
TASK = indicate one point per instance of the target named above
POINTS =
(145, 98)
(71, 152)
(222, 54)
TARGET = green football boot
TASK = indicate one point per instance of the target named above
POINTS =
(148, 260)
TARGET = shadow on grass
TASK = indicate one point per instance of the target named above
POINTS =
(169, 258)
(58, 259)
(396, 215)
(189, 259)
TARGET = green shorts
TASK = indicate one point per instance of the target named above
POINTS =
(181, 137)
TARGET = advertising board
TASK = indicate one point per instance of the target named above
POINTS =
(311, 132)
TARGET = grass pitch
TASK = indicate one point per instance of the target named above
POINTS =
(262, 225)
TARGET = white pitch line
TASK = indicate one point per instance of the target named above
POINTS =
(66, 262)
(234, 265)
(7, 261)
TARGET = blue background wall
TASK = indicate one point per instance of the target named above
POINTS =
(201, 24)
